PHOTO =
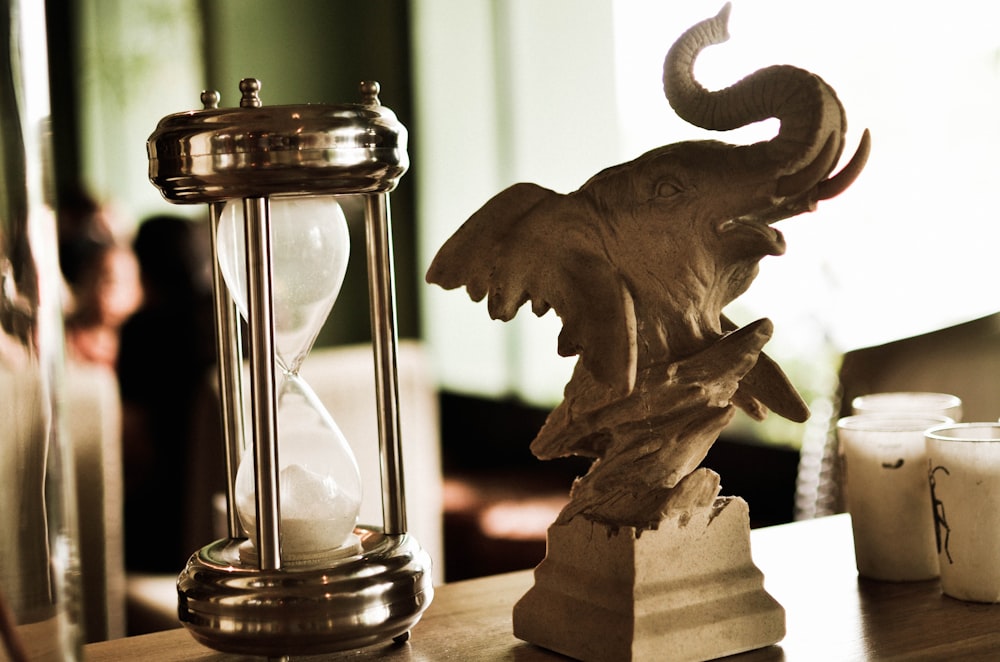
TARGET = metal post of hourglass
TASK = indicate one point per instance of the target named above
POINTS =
(229, 350)
(214, 155)
(230, 364)
(263, 398)
(384, 342)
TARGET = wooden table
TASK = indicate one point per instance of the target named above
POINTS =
(808, 567)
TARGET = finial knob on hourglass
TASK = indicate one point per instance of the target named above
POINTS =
(210, 99)
(250, 88)
(369, 93)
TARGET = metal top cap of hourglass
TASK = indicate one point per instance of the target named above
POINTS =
(218, 154)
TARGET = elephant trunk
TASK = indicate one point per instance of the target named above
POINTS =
(811, 138)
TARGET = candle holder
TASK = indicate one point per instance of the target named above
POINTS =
(297, 574)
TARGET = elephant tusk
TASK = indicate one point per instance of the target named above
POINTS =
(837, 184)
(803, 180)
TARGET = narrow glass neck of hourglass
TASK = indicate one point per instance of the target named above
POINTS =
(290, 365)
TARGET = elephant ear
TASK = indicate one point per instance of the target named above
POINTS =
(531, 243)
(767, 384)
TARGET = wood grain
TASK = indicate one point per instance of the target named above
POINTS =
(808, 567)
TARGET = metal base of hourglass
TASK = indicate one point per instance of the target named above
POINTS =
(376, 595)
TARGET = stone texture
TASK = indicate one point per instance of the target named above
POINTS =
(685, 591)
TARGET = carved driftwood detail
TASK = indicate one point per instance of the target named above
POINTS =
(640, 262)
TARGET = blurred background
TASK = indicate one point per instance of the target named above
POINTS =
(499, 92)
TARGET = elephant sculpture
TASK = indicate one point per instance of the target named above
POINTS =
(639, 263)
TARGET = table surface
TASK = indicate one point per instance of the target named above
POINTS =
(808, 567)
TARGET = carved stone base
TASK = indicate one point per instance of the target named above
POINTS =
(686, 591)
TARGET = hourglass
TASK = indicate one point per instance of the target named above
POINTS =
(297, 574)
(318, 477)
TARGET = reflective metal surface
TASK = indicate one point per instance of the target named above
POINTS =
(263, 386)
(382, 296)
(371, 597)
(232, 597)
(218, 154)
(228, 345)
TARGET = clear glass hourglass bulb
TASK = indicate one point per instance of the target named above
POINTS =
(319, 482)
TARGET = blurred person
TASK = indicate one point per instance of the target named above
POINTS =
(84, 226)
(166, 354)
(101, 277)
(105, 294)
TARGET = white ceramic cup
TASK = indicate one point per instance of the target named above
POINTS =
(964, 475)
(885, 485)
(939, 404)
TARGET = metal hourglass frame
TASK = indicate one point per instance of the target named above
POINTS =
(256, 152)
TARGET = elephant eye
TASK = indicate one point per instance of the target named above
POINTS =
(667, 189)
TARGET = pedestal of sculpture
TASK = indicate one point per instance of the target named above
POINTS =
(688, 590)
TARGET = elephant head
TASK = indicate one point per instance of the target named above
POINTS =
(688, 223)
(640, 261)
(796, 164)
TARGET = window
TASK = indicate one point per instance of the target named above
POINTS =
(553, 92)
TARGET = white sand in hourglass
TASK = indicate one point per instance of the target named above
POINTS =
(319, 481)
